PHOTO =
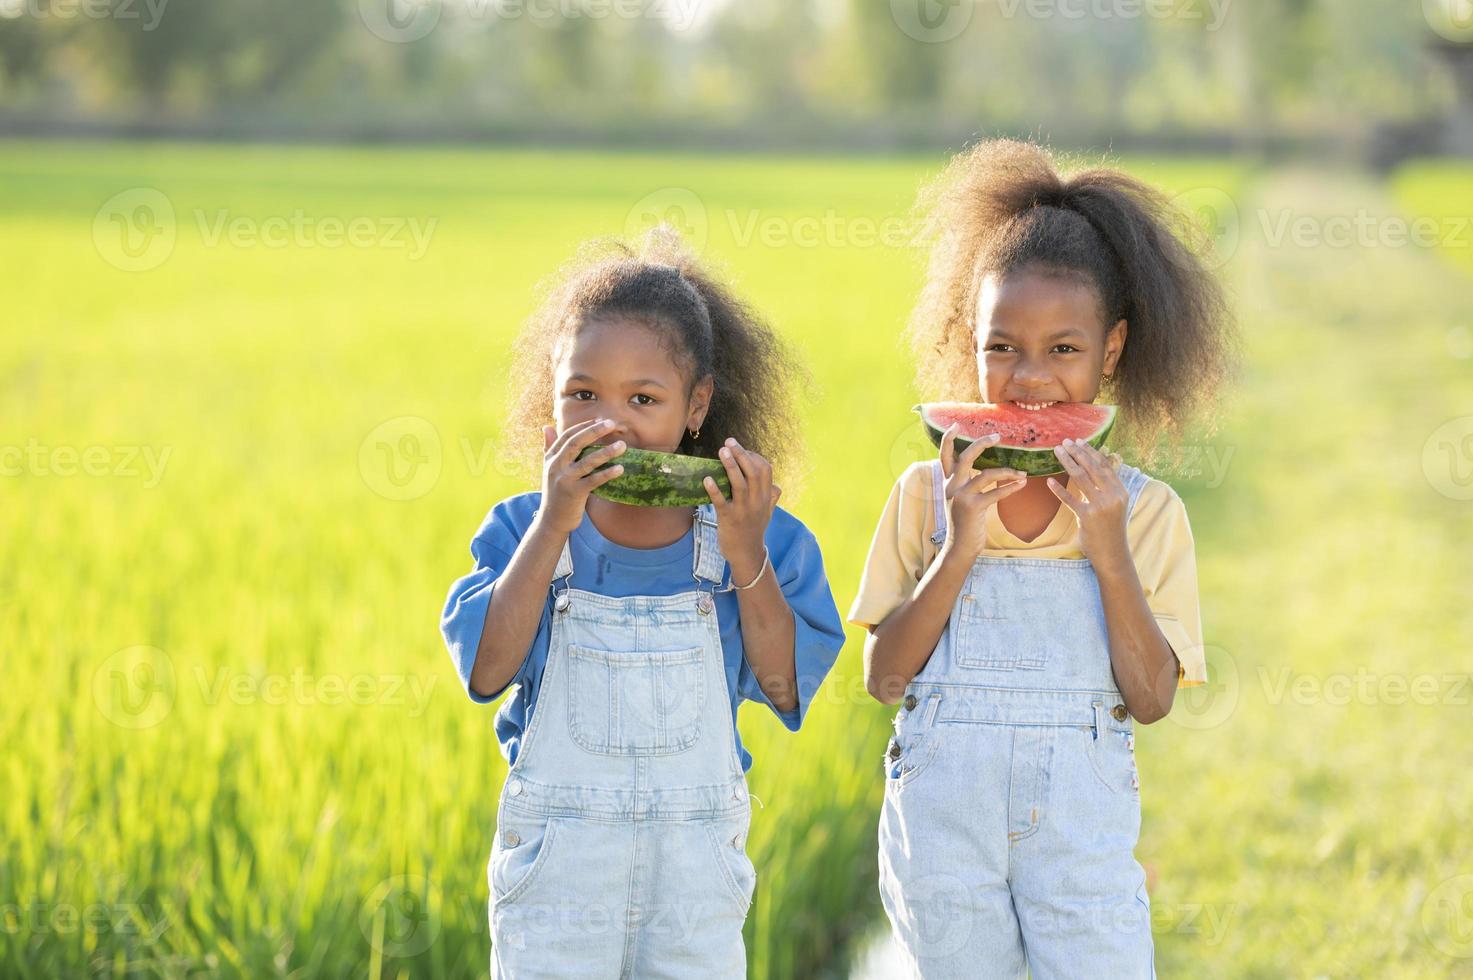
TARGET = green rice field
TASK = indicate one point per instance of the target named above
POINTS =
(250, 405)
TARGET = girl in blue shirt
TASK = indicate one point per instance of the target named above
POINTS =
(632, 634)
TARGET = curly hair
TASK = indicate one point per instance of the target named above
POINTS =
(701, 322)
(1001, 206)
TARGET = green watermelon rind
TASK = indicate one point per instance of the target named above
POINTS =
(656, 479)
(1034, 462)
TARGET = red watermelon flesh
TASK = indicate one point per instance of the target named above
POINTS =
(1028, 436)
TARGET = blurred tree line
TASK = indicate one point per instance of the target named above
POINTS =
(886, 71)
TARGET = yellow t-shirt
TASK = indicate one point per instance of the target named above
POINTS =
(1160, 542)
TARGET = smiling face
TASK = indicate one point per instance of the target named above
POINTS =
(1040, 339)
(621, 370)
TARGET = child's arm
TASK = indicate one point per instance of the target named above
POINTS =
(767, 619)
(1144, 664)
(517, 601)
(904, 640)
(900, 645)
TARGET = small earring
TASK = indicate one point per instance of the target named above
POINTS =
(696, 434)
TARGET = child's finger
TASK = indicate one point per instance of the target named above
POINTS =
(549, 436)
(743, 460)
(589, 430)
(714, 492)
(1002, 490)
(1071, 499)
(1073, 466)
(948, 450)
(599, 477)
(1101, 470)
(994, 474)
(738, 478)
(1003, 478)
(597, 458)
(969, 454)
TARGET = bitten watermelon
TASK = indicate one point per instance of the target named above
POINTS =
(1028, 436)
(654, 479)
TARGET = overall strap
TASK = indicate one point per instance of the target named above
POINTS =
(1135, 481)
(707, 561)
(938, 501)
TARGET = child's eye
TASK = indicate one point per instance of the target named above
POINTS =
(1066, 348)
(648, 400)
(578, 395)
(999, 347)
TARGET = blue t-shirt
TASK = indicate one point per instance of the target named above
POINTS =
(601, 566)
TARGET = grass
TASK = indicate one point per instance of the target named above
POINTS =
(238, 747)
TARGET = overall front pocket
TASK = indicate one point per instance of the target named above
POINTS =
(521, 852)
(635, 703)
(997, 628)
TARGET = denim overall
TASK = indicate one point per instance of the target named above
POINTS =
(1012, 804)
(621, 829)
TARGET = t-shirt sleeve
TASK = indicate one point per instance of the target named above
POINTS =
(818, 633)
(898, 553)
(1165, 557)
(464, 615)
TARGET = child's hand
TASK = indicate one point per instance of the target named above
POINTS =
(566, 479)
(1098, 500)
(741, 522)
(968, 497)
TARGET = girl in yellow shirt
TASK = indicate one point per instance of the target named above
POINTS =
(1021, 623)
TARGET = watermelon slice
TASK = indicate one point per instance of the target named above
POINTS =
(1028, 437)
(655, 479)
